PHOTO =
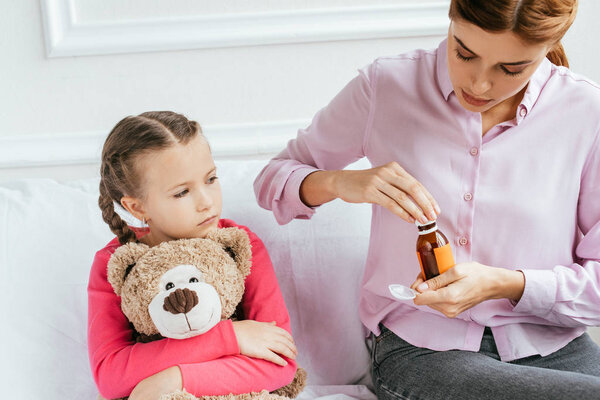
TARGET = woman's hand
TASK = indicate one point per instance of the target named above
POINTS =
(389, 185)
(466, 285)
(154, 386)
(264, 340)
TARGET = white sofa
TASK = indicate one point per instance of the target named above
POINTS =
(49, 232)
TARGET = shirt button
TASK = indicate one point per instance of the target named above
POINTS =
(474, 151)
(463, 241)
(468, 196)
(523, 112)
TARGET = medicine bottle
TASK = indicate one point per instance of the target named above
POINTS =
(433, 250)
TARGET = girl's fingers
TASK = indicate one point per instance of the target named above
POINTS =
(290, 345)
(283, 349)
(274, 358)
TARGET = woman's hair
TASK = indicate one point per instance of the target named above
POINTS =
(131, 138)
(535, 21)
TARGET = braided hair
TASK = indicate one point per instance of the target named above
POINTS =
(131, 138)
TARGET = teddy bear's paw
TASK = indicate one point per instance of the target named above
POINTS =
(292, 390)
(178, 395)
(263, 395)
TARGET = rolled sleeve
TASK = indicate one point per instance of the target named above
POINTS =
(291, 196)
(539, 294)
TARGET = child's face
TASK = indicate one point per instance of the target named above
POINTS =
(182, 193)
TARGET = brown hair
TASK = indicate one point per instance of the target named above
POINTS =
(536, 21)
(132, 137)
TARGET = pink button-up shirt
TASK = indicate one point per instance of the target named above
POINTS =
(525, 196)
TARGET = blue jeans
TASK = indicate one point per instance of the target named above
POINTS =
(403, 371)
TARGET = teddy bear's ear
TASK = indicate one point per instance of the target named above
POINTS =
(237, 243)
(121, 263)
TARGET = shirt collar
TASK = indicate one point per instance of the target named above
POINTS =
(443, 77)
(534, 88)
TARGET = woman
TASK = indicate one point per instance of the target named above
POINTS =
(492, 135)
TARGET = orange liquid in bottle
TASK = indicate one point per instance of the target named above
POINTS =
(433, 251)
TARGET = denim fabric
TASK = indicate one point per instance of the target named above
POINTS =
(403, 371)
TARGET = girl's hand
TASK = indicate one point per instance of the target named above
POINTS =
(391, 187)
(264, 340)
(154, 386)
(466, 285)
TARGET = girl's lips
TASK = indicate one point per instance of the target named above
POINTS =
(473, 100)
(208, 221)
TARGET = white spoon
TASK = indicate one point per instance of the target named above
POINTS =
(402, 292)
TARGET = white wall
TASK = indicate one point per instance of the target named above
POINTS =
(56, 110)
(274, 84)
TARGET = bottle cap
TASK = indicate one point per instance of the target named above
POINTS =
(420, 225)
(402, 292)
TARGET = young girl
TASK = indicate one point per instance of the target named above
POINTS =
(158, 166)
(494, 127)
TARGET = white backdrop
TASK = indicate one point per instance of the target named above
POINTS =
(251, 72)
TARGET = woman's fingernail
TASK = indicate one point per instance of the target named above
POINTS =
(437, 209)
(423, 287)
(431, 214)
(423, 219)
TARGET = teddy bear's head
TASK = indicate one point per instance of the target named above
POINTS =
(181, 288)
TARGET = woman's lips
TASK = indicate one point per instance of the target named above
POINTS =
(474, 101)
(208, 221)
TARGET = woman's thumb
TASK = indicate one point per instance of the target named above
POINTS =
(433, 283)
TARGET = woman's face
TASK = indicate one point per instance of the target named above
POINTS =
(488, 68)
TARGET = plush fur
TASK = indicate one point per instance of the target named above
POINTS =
(182, 288)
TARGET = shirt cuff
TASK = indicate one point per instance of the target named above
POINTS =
(291, 194)
(539, 294)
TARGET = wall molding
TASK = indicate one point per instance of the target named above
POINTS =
(65, 36)
(226, 141)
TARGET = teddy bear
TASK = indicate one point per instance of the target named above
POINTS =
(183, 288)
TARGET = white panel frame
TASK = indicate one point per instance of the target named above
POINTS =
(65, 36)
(233, 140)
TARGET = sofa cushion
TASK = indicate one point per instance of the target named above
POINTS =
(50, 231)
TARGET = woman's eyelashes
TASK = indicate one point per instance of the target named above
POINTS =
(212, 179)
(463, 57)
(511, 73)
(502, 67)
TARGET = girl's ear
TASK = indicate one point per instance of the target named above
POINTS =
(236, 242)
(134, 206)
(121, 263)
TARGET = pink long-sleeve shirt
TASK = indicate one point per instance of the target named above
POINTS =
(211, 363)
(525, 196)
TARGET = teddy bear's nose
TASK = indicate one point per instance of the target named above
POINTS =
(180, 301)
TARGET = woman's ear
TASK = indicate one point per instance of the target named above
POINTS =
(122, 262)
(236, 242)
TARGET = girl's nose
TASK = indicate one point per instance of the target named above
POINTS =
(203, 201)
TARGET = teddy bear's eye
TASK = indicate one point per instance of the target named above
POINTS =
(193, 280)
(169, 286)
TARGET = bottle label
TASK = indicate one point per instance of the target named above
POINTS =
(444, 258)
